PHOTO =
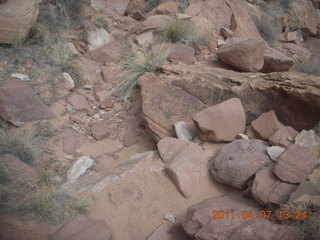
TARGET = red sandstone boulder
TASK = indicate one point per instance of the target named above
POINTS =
(235, 163)
(266, 125)
(268, 189)
(19, 104)
(221, 122)
(182, 53)
(80, 104)
(243, 53)
(100, 130)
(186, 164)
(284, 137)
(276, 61)
(294, 165)
(83, 228)
(222, 218)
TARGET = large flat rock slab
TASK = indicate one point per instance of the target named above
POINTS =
(163, 105)
(19, 104)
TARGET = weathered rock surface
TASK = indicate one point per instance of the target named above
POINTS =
(188, 169)
(276, 61)
(82, 228)
(79, 168)
(294, 165)
(182, 53)
(105, 54)
(224, 12)
(97, 181)
(163, 104)
(19, 171)
(16, 19)
(294, 96)
(267, 188)
(237, 162)
(160, 234)
(19, 104)
(156, 21)
(170, 147)
(132, 132)
(100, 130)
(305, 188)
(302, 15)
(309, 140)
(266, 125)
(20, 228)
(296, 52)
(71, 141)
(283, 137)
(200, 225)
(222, 122)
(80, 104)
(243, 53)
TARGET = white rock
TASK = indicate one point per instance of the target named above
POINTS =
(242, 136)
(274, 152)
(21, 77)
(169, 217)
(69, 83)
(182, 131)
(87, 86)
(72, 49)
(98, 38)
(145, 38)
(307, 139)
(79, 168)
(221, 42)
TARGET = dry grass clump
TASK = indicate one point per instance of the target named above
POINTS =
(183, 30)
(20, 146)
(151, 4)
(56, 206)
(67, 62)
(135, 61)
(312, 66)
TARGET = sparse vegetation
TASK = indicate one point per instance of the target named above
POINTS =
(151, 4)
(20, 146)
(312, 66)
(183, 30)
(268, 26)
(135, 61)
(57, 206)
(4, 174)
(67, 62)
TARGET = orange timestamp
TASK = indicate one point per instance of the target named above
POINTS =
(281, 215)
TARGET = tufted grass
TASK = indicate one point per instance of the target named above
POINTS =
(135, 61)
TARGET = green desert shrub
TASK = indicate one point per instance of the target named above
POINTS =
(56, 206)
(312, 66)
(135, 61)
(67, 62)
(183, 30)
(151, 4)
(20, 146)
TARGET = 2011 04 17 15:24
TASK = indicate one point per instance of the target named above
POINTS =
(282, 215)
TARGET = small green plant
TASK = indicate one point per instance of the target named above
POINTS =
(183, 30)
(20, 146)
(67, 62)
(57, 206)
(135, 61)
